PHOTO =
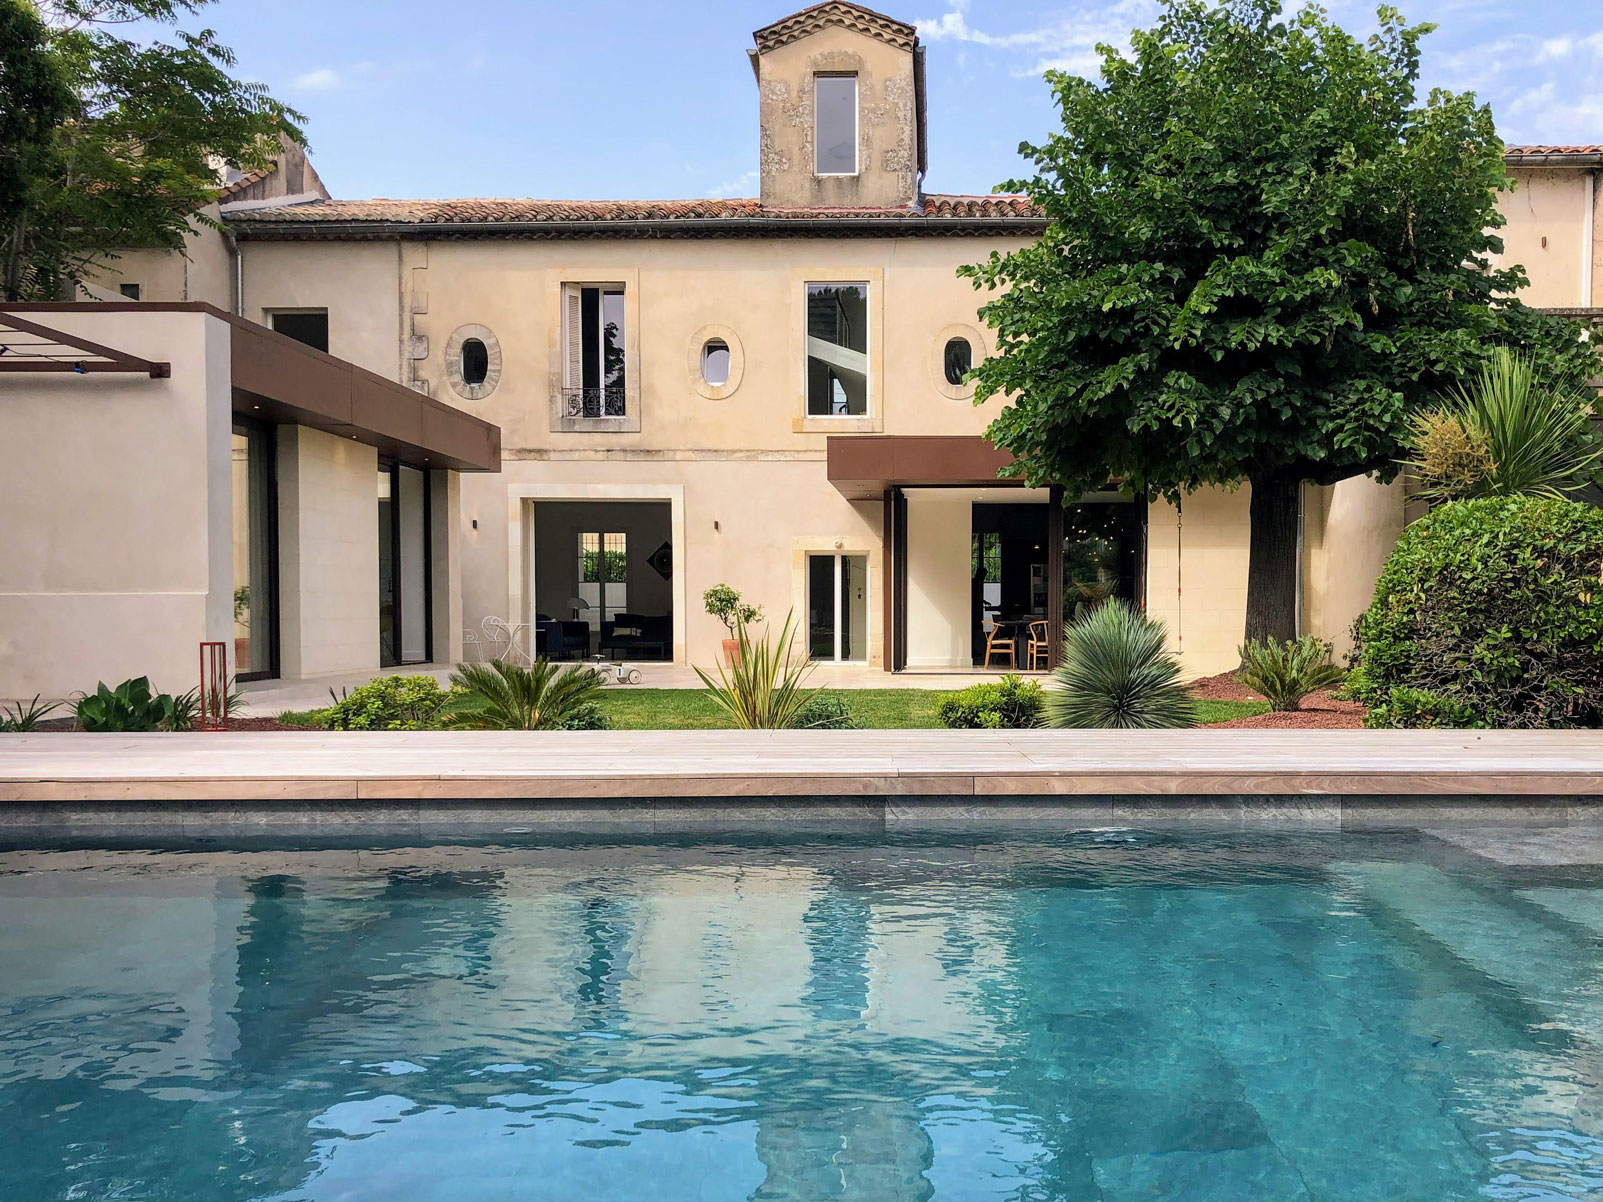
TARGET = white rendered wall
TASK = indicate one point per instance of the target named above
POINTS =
(115, 548)
(939, 580)
(327, 553)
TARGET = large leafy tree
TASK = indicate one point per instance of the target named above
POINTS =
(1264, 255)
(125, 138)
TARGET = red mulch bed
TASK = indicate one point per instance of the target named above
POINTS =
(1320, 711)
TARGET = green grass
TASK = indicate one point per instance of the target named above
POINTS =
(876, 709)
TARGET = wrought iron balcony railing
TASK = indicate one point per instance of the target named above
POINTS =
(593, 402)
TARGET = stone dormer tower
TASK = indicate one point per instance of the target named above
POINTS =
(841, 103)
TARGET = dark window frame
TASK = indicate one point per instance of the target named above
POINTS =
(397, 632)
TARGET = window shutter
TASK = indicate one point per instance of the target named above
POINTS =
(573, 334)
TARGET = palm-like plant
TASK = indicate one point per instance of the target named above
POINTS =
(1508, 432)
(763, 689)
(1117, 673)
(502, 696)
(1285, 673)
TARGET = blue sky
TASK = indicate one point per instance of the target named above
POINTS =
(654, 98)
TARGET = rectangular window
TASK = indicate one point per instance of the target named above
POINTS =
(131, 291)
(405, 600)
(835, 124)
(837, 350)
(603, 577)
(255, 554)
(308, 327)
(596, 381)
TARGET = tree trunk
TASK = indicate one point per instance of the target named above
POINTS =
(1272, 565)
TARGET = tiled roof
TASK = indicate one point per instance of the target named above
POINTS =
(1519, 152)
(249, 178)
(836, 12)
(471, 212)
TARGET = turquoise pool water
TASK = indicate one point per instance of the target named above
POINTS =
(1111, 1016)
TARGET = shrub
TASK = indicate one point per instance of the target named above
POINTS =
(132, 706)
(1011, 703)
(389, 703)
(1419, 709)
(21, 718)
(587, 715)
(1118, 673)
(826, 711)
(1495, 606)
(762, 689)
(1285, 673)
(502, 696)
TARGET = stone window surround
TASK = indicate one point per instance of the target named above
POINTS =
(937, 359)
(737, 361)
(453, 361)
(854, 544)
(594, 276)
(873, 422)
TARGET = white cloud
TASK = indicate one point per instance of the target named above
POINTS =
(367, 74)
(323, 79)
(1068, 44)
(742, 186)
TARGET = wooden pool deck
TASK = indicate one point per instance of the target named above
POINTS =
(639, 765)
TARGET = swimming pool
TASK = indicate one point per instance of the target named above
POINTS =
(1107, 1015)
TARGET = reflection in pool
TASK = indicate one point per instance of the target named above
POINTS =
(1115, 1015)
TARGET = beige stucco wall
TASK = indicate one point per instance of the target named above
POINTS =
(445, 550)
(939, 586)
(203, 272)
(328, 553)
(887, 128)
(1197, 576)
(1550, 206)
(115, 551)
(357, 282)
(1349, 530)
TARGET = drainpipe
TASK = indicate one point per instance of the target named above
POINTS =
(239, 271)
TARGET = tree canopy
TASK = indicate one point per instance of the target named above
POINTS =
(120, 142)
(1263, 256)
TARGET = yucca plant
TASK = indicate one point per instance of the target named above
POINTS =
(502, 696)
(762, 689)
(1285, 673)
(21, 718)
(1117, 673)
(1508, 431)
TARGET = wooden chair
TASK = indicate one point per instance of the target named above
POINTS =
(1038, 653)
(995, 646)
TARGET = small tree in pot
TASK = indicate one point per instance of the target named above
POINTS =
(724, 603)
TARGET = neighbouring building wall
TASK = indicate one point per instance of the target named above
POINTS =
(327, 553)
(357, 282)
(1197, 576)
(1349, 530)
(115, 551)
(939, 579)
(203, 272)
(1552, 233)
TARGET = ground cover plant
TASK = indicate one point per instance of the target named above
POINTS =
(1488, 613)
(134, 707)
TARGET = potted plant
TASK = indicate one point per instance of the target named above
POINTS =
(724, 603)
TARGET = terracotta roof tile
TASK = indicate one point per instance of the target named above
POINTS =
(475, 211)
(1515, 152)
(836, 12)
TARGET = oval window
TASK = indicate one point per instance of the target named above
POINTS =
(715, 363)
(959, 358)
(475, 362)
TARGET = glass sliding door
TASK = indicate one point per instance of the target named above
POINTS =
(255, 541)
(837, 608)
(405, 607)
(1103, 547)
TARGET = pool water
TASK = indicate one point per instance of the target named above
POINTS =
(1115, 1015)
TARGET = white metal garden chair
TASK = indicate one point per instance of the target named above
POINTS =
(502, 638)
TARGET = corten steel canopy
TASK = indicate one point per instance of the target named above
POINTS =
(276, 379)
(27, 346)
(863, 466)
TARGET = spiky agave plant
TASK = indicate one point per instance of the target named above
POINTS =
(763, 689)
(1536, 432)
(1117, 673)
(1285, 673)
(502, 696)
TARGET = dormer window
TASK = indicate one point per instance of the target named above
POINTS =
(835, 124)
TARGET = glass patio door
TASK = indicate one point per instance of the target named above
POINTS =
(837, 608)
(255, 651)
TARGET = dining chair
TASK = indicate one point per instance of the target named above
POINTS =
(499, 640)
(1037, 648)
(472, 646)
(996, 646)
